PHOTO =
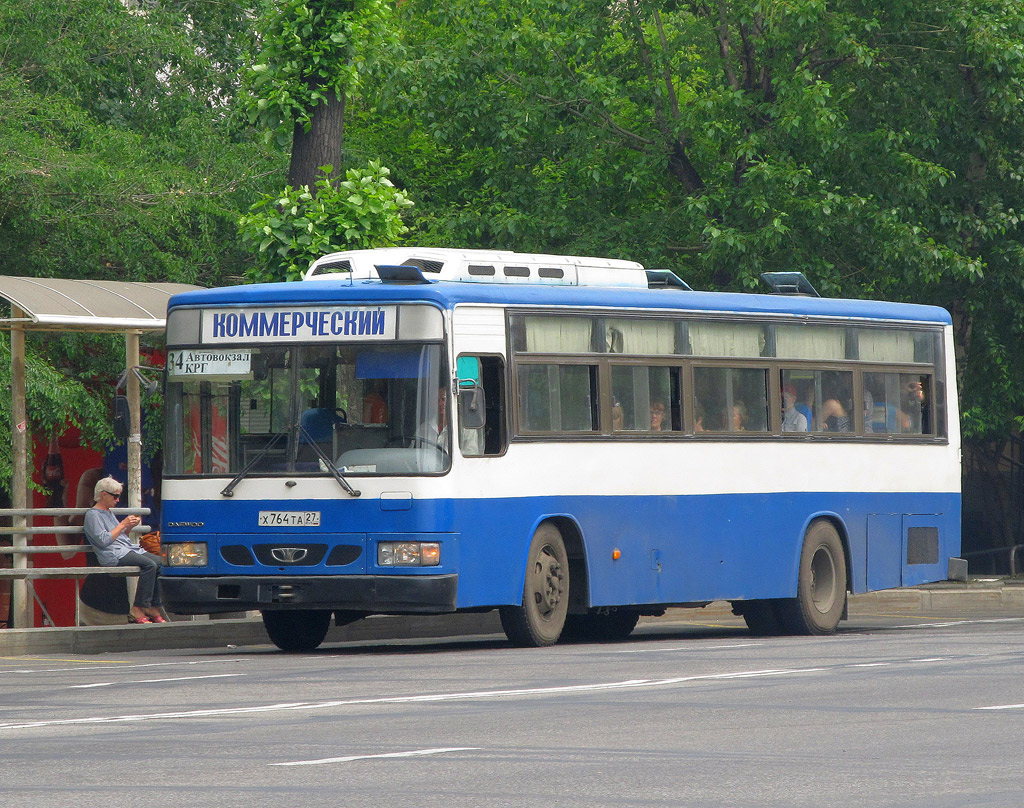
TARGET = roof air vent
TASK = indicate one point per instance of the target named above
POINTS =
(400, 274)
(789, 283)
(666, 279)
(331, 267)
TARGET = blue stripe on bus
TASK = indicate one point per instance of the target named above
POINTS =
(674, 549)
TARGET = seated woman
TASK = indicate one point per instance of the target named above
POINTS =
(110, 538)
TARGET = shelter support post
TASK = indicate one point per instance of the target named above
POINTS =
(21, 602)
(132, 392)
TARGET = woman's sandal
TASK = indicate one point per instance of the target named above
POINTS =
(133, 619)
(157, 618)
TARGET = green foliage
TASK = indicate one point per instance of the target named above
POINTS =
(310, 50)
(119, 159)
(57, 392)
(299, 225)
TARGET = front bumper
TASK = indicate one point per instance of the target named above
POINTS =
(373, 594)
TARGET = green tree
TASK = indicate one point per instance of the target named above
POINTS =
(300, 225)
(313, 56)
(119, 159)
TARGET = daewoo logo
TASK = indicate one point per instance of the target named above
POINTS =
(288, 555)
(186, 524)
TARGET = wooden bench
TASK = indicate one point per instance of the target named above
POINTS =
(29, 574)
(24, 573)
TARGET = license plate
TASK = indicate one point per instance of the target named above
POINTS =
(289, 519)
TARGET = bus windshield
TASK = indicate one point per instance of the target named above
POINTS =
(367, 409)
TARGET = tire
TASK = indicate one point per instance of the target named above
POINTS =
(613, 626)
(297, 631)
(761, 617)
(821, 586)
(541, 617)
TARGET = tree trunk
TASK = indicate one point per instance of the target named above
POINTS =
(321, 145)
(683, 170)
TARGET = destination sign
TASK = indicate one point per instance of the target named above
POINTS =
(234, 364)
(300, 324)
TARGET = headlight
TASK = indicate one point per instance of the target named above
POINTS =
(408, 554)
(187, 554)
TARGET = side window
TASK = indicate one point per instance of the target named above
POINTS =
(557, 398)
(492, 437)
(730, 399)
(645, 399)
(898, 403)
(821, 398)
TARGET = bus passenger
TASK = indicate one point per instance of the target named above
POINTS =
(912, 402)
(739, 417)
(375, 410)
(792, 419)
(618, 417)
(436, 433)
(657, 416)
(835, 417)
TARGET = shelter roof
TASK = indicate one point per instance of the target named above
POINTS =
(61, 304)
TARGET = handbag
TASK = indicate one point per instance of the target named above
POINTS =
(151, 543)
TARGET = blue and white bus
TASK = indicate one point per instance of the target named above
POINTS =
(576, 442)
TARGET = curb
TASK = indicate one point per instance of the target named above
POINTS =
(186, 634)
(990, 595)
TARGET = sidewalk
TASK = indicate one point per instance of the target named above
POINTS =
(980, 594)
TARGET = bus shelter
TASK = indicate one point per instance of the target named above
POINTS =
(58, 304)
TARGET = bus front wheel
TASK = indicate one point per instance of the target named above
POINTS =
(821, 586)
(541, 617)
(297, 631)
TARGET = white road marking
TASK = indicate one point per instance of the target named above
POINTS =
(963, 622)
(108, 665)
(151, 681)
(870, 665)
(1002, 707)
(690, 648)
(436, 697)
(414, 753)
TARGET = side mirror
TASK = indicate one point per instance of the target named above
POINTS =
(471, 394)
(122, 418)
(471, 406)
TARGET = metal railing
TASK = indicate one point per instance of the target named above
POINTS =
(1014, 559)
(22, 551)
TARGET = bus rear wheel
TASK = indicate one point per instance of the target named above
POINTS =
(297, 631)
(821, 585)
(541, 617)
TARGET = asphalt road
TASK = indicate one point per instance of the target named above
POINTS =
(895, 710)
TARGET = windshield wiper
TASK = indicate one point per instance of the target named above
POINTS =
(229, 489)
(328, 463)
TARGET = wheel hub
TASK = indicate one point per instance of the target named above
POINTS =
(547, 582)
